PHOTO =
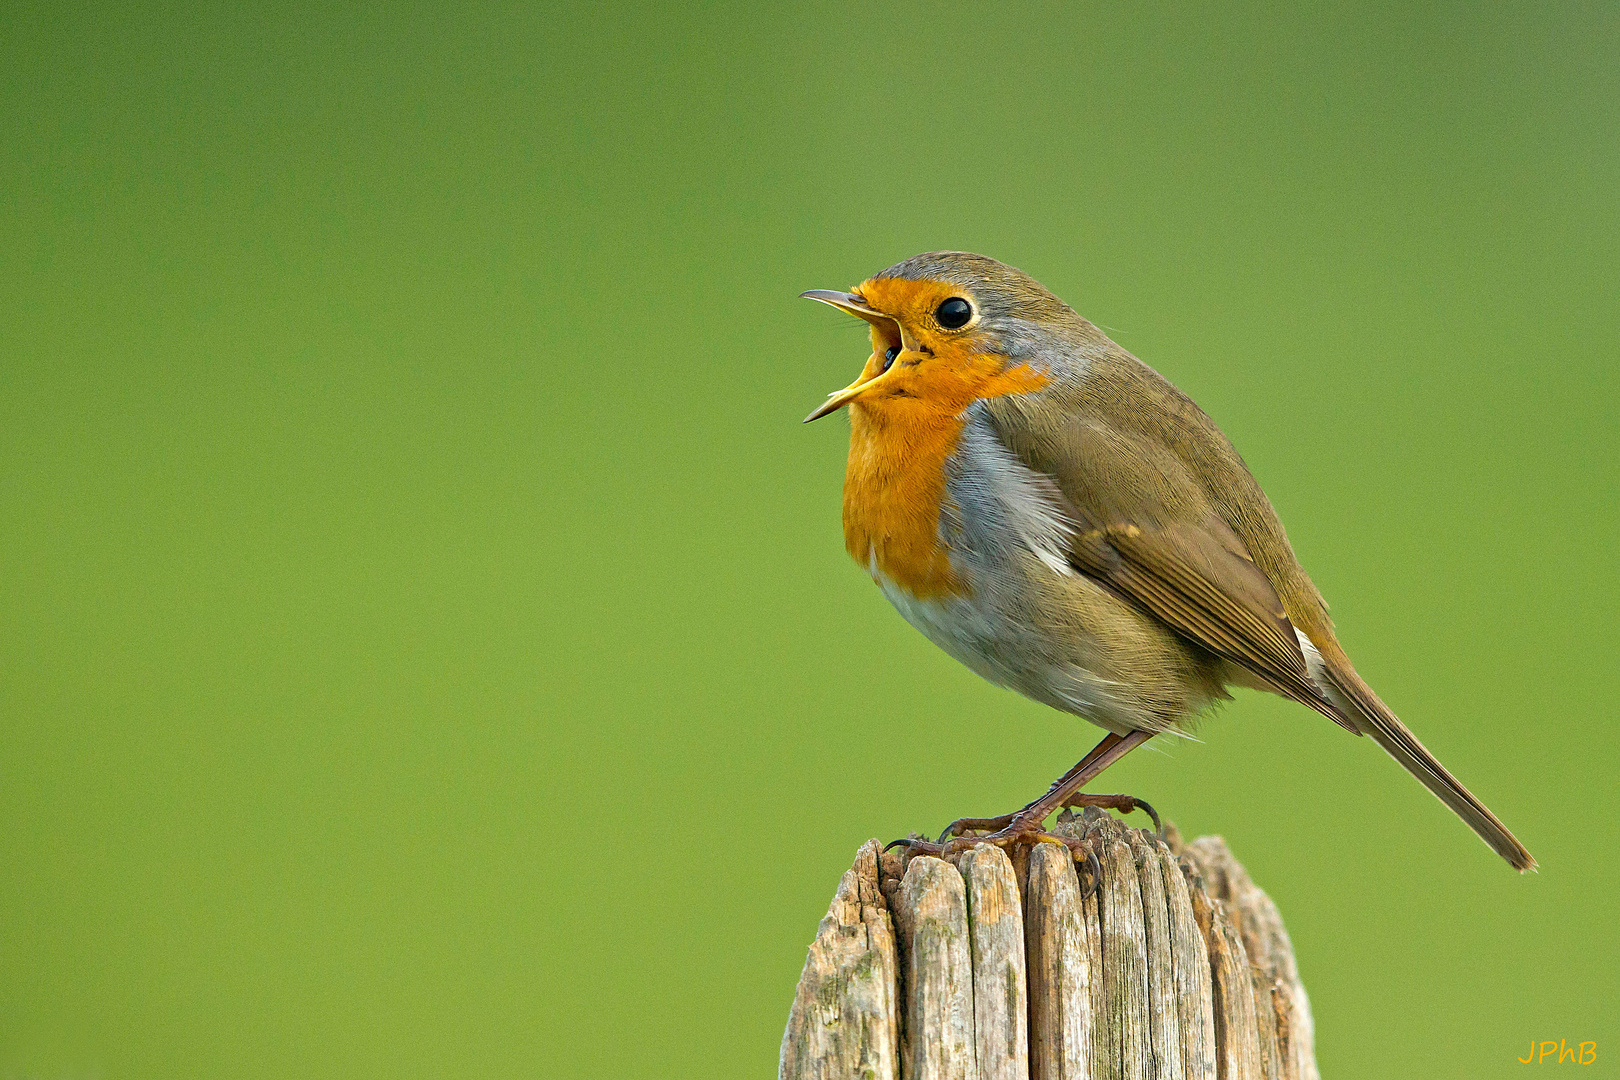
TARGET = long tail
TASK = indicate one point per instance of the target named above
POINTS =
(1372, 717)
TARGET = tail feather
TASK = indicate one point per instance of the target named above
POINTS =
(1374, 718)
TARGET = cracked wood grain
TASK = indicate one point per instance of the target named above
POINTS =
(1062, 968)
(938, 1042)
(1174, 966)
(996, 936)
(844, 1021)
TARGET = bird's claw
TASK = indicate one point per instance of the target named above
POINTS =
(1158, 826)
(1123, 803)
(1093, 871)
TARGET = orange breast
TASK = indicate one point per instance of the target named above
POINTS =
(894, 487)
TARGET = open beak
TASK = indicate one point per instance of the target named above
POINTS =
(857, 307)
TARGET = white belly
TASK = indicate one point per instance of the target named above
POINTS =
(1015, 655)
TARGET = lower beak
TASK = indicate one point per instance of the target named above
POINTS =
(855, 306)
(839, 398)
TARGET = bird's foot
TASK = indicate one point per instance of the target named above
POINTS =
(1123, 803)
(963, 826)
(997, 826)
(1021, 828)
(1013, 830)
(1013, 834)
(1009, 831)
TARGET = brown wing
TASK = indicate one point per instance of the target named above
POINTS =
(1145, 528)
(1191, 579)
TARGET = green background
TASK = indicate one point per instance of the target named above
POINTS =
(428, 648)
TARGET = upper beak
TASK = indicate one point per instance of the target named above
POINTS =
(846, 302)
(858, 307)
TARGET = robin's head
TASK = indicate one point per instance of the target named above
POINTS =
(949, 328)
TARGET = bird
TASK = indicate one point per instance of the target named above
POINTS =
(1055, 515)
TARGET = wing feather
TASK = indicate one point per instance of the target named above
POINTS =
(1182, 564)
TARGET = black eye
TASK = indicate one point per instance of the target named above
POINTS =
(889, 355)
(953, 313)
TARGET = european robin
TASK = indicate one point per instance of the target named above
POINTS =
(1057, 516)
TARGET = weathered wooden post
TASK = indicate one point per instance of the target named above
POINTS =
(1174, 966)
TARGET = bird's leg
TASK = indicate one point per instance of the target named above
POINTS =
(1085, 769)
(995, 824)
(1026, 823)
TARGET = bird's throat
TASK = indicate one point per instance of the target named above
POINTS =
(900, 445)
(894, 489)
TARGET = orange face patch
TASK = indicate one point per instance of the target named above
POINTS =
(905, 428)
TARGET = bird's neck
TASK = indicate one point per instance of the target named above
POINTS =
(894, 489)
(899, 446)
